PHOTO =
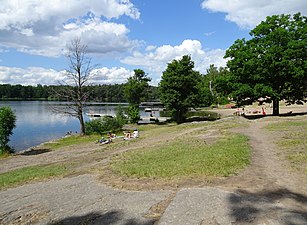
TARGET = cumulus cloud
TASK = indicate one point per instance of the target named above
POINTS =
(44, 27)
(112, 75)
(39, 75)
(249, 13)
(155, 59)
(29, 76)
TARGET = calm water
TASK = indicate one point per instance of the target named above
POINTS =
(36, 123)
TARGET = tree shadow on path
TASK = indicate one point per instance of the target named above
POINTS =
(108, 218)
(248, 207)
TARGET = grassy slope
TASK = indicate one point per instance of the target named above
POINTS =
(188, 155)
(292, 141)
(186, 158)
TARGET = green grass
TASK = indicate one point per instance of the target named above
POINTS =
(26, 174)
(190, 157)
(286, 125)
(72, 140)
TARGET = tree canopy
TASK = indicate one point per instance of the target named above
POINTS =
(212, 90)
(272, 64)
(136, 91)
(179, 87)
(136, 87)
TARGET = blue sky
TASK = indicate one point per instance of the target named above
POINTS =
(123, 35)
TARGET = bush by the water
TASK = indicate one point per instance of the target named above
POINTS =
(100, 126)
(133, 113)
(7, 124)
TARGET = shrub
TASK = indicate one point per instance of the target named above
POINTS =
(133, 114)
(7, 124)
(103, 125)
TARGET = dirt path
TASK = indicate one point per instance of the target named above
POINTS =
(267, 191)
(264, 193)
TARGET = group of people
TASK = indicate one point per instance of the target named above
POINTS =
(242, 112)
(127, 135)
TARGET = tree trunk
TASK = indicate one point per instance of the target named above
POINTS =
(82, 126)
(276, 107)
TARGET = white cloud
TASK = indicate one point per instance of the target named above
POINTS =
(112, 75)
(29, 76)
(155, 59)
(38, 75)
(249, 13)
(44, 27)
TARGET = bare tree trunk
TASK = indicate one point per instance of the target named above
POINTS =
(82, 126)
(77, 75)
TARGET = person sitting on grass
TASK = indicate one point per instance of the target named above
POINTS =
(129, 135)
(135, 133)
(104, 141)
(111, 136)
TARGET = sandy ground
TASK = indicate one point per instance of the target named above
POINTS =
(266, 192)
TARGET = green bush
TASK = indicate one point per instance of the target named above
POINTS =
(7, 124)
(133, 114)
(100, 126)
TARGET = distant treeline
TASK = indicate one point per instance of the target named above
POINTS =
(98, 93)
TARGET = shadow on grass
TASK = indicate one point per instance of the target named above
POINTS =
(247, 207)
(112, 217)
(258, 116)
(35, 152)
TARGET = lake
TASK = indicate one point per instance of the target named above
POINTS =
(36, 123)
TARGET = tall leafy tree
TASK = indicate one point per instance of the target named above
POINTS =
(273, 63)
(135, 91)
(179, 89)
(211, 88)
(7, 124)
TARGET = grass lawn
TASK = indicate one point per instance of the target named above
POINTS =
(26, 174)
(71, 140)
(184, 158)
